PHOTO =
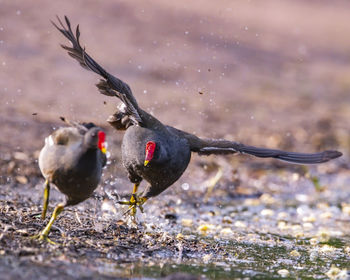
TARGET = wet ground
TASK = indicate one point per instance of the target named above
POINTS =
(276, 79)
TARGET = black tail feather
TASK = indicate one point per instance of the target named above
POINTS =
(290, 156)
(224, 147)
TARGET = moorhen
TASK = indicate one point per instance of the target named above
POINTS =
(156, 152)
(72, 159)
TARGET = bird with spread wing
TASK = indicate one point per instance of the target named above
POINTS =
(156, 152)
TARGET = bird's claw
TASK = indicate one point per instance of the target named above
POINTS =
(133, 203)
(43, 237)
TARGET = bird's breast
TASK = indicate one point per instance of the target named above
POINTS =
(165, 168)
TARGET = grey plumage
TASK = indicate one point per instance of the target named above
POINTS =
(174, 146)
(72, 161)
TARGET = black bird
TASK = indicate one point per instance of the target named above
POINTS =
(72, 159)
(156, 152)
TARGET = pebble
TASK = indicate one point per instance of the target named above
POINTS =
(180, 236)
(323, 236)
(240, 224)
(314, 241)
(206, 228)
(308, 226)
(283, 225)
(295, 254)
(267, 199)
(186, 222)
(226, 232)
(336, 273)
(327, 249)
(283, 272)
(22, 179)
(326, 215)
(309, 219)
(227, 220)
(11, 166)
(282, 215)
(20, 156)
(206, 258)
(267, 212)
(346, 209)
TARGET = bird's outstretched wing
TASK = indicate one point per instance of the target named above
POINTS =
(109, 85)
(221, 146)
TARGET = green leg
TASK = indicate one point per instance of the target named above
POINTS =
(46, 199)
(45, 232)
(134, 202)
(135, 188)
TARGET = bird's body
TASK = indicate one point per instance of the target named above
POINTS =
(72, 159)
(153, 151)
(71, 165)
(165, 168)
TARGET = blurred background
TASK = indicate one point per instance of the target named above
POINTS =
(266, 73)
(273, 74)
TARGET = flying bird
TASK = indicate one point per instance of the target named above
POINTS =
(156, 152)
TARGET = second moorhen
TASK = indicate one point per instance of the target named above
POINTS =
(72, 159)
(156, 152)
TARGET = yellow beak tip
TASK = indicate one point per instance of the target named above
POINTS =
(146, 162)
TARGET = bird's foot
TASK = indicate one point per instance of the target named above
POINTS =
(134, 203)
(43, 237)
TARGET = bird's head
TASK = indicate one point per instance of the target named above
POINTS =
(149, 152)
(95, 137)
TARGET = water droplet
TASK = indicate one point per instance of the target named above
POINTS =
(187, 32)
(18, 12)
(185, 186)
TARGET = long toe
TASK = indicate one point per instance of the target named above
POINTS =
(134, 203)
(125, 202)
(44, 238)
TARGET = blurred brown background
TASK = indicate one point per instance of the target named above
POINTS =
(270, 73)
(267, 73)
